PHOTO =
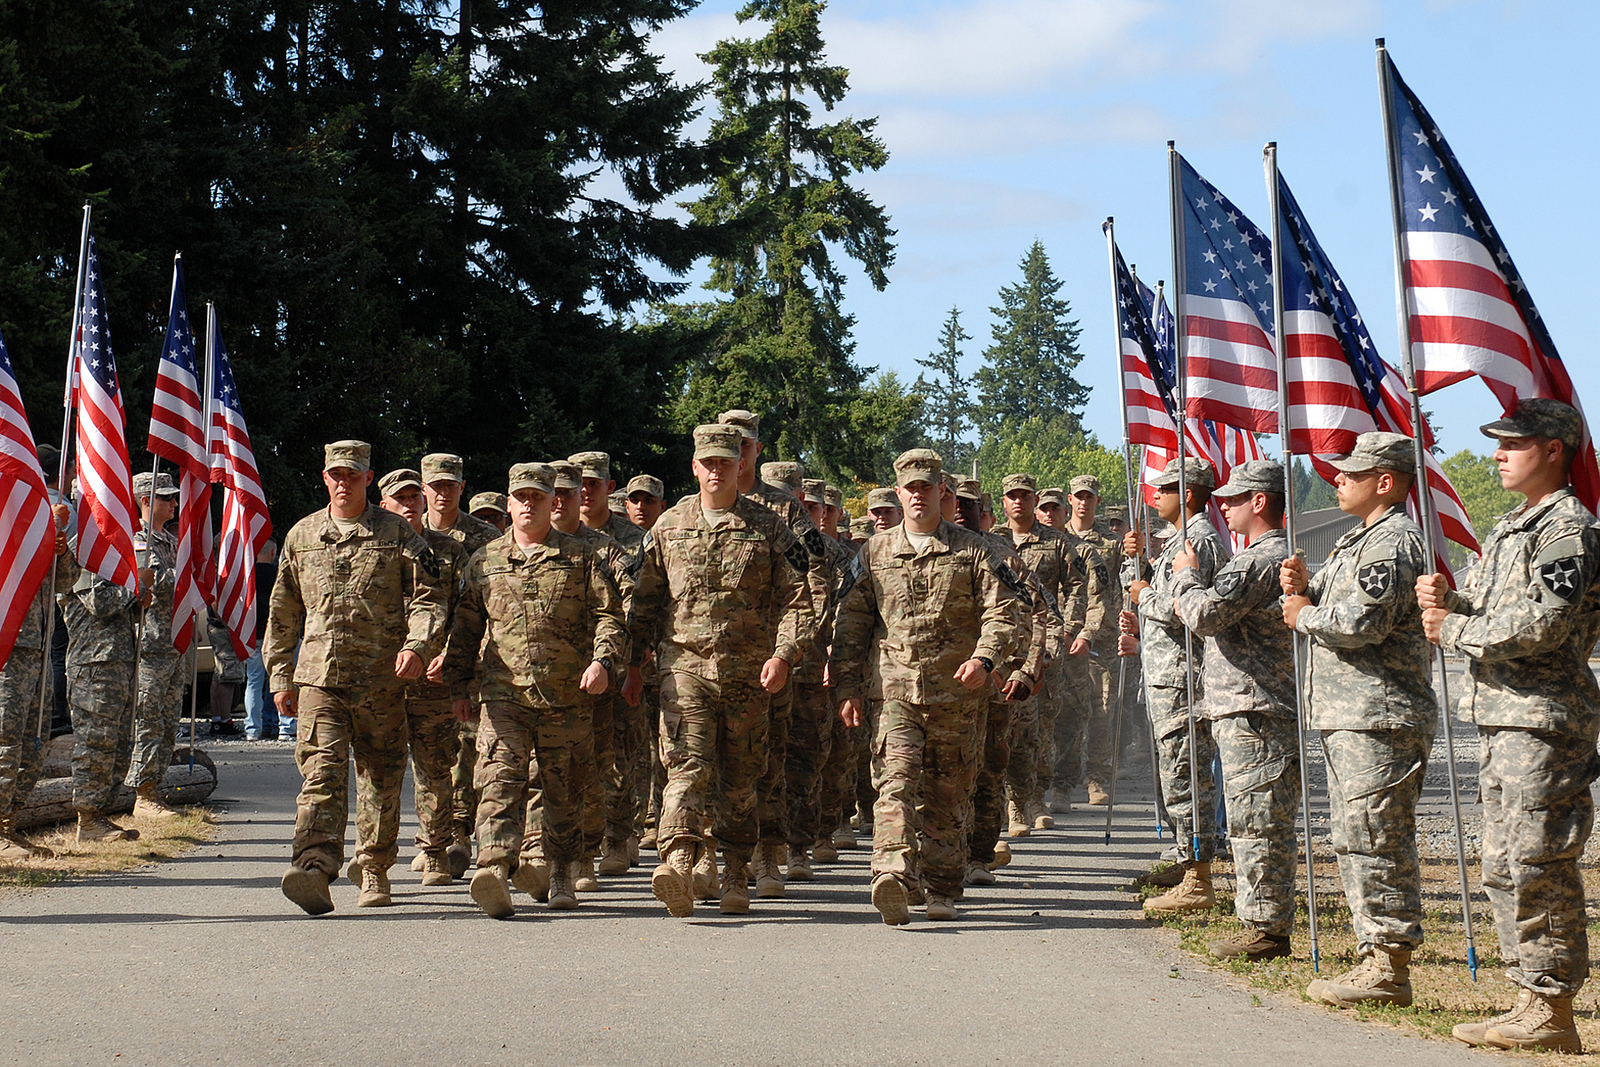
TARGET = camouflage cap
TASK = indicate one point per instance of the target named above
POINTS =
(592, 464)
(918, 465)
(164, 485)
(1253, 476)
(355, 455)
(1019, 481)
(617, 500)
(1053, 495)
(1085, 483)
(1380, 450)
(882, 497)
(865, 527)
(488, 502)
(1116, 513)
(748, 423)
(648, 484)
(783, 474)
(540, 476)
(844, 517)
(969, 489)
(567, 475)
(1196, 473)
(832, 497)
(1540, 417)
(717, 441)
(396, 480)
(442, 467)
(813, 490)
(948, 481)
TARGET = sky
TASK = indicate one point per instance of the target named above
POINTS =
(1014, 120)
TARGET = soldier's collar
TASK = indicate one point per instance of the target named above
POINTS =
(1529, 515)
(330, 529)
(735, 514)
(544, 548)
(938, 540)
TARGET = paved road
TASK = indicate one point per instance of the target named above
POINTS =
(202, 961)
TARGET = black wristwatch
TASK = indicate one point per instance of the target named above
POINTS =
(605, 661)
(988, 664)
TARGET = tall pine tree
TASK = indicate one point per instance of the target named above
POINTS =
(1027, 371)
(945, 396)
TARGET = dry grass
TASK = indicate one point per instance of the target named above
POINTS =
(159, 839)
(1444, 991)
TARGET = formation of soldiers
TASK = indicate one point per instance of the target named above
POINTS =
(578, 674)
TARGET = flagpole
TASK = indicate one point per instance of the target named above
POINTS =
(1127, 467)
(1420, 481)
(72, 355)
(1162, 815)
(206, 374)
(1281, 344)
(1175, 178)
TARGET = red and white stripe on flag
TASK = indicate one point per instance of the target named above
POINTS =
(1148, 421)
(27, 529)
(246, 525)
(1231, 366)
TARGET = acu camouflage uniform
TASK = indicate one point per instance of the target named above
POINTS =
(161, 674)
(101, 649)
(23, 725)
(1527, 619)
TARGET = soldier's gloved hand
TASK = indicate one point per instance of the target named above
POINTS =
(633, 688)
(1128, 623)
(1293, 576)
(595, 679)
(436, 670)
(1433, 622)
(1136, 590)
(1079, 647)
(285, 702)
(1431, 591)
(1127, 645)
(774, 673)
(1292, 606)
(972, 674)
(1132, 544)
(408, 666)
(461, 708)
(850, 711)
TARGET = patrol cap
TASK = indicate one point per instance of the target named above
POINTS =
(648, 484)
(814, 490)
(1053, 495)
(969, 489)
(442, 467)
(948, 480)
(783, 474)
(1085, 483)
(918, 465)
(1380, 450)
(832, 496)
(49, 461)
(163, 483)
(986, 502)
(567, 475)
(717, 440)
(1253, 476)
(844, 518)
(1116, 513)
(617, 500)
(1196, 472)
(540, 476)
(396, 480)
(748, 423)
(488, 502)
(1019, 481)
(882, 497)
(592, 464)
(355, 455)
(1540, 417)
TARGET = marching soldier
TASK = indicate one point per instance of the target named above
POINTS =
(1102, 551)
(1051, 510)
(594, 503)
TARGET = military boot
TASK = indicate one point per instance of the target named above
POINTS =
(649, 838)
(705, 873)
(613, 857)
(1002, 856)
(491, 891)
(844, 839)
(1194, 893)
(889, 897)
(980, 874)
(1018, 824)
(672, 882)
(147, 803)
(92, 826)
(1038, 815)
(562, 896)
(13, 849)
(533, 876)
(9, 833)
(375, 889)
(308, 888)
(1546, 1023)
(435, 870)
(1478, 1033)
(799, 866)
(632, 845)
(1164, 877)
(459, 854)
(769, 875)
(823, 851)
(1383, 977)
(735, 898)
(419, 862)
(1250, 943)
(1098, 797)
(941, 908)
(583, 876)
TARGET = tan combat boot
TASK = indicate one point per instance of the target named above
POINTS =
(889, 897)
(562, 896)
(799, 869)
(1039, 815)
(1163, 877)
(1546, 1023)
(375, 889)
(308, 888)
(649, 838)
(419, 862)
(1002, 856)
(491, 891)
(706, 887)
(823, 851)
(435, 869)
(92, 826)
(769, 875)
(613, 857)
(844, 839)
(979, 874)
(1194, 893)
(672, 882)
(147, 803)
(1478, 1033)
(1250, 943)
(1018, 824)
(583, 876)
(940, 907)
(13, 849)
(1383, 977)
(735, 898)
(632, 845)
(533, 876)
(1098, 797)
(459, 854)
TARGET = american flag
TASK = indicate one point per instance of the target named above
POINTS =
(106, 516)
(1338, 385)
(1469, 310)
(245, 525)
(27, 529)
(1147, 378)
(1227, 308)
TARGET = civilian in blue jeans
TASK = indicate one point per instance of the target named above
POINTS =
(261, 720)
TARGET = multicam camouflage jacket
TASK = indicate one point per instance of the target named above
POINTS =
(1162, 638)
(840, 558)
(623, 532)
(1527, 619)
(531, 620)
(471, 531)
(1102, 587)
(819, 574)
(1055, 562)
(451, 555)
(1038, 629)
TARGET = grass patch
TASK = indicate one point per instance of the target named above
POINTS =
(159, 839)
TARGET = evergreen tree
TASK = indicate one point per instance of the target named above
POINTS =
(1027, 371)
(945, 396)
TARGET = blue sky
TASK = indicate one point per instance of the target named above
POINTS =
(1010, 120)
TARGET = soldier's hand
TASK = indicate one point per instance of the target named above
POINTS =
(408, 666)
(1293, 576)
(1433, 623)
(1292, 606)
(1127, 645)
(1016, 690)
(147, 596)
(774, 673)
(436, 670)
(1136, 590)
(1132, 544)
(1185, 559)
(972, 674)
(595, 679)
(633, 688)
(61, 542)
(1128, 622)
(286, 703)
(850, 711)
(1431, 591)
(1079, 647)
(461, 708)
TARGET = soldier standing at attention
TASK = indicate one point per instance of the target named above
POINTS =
(594, 500)
(491, 508)
(883, 508)
(1526, 620)
(920, 633)
(645, 501)
(1371, 696)
(722, 600)
(1051, 510)
(1249, 669)
(161, 675)
(1103, 558)
(359, 595)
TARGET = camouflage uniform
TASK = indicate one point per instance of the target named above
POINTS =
(161, 674)
(23, 725)
(101, 650)
(1103, 559)
(847, 745)
(1081, 743)
(608, 810)
(432, 730)
(1526, 619)
(909, 622)
(1369, 692)
(352, 601)
(623, 532)
(1250, 703)
(811, 730)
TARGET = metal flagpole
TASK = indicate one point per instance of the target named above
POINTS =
(1175, 177)
(1127, 464)
(1420, 479)
(208, 354)
(72, 355)
(1287, 448)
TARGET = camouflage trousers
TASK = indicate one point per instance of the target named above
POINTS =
(924, 765)
(810, 747)
(155, 724)
(1026, 742)
(530, 780)
(1173, 756)
(650, 713)
(989, 788)
(22, 722)
(1261, 779)
(1100, 720)
(463, 793)
(102, 699)
(866, 797)
(368, 723)
(644, 725)
(1374, 783)
(1061, 759)
(772, 792)
(608, 789)
(713, 741)
(434, 735)
(847, 746)
(1537, 816)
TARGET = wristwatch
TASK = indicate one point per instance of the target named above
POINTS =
(605, 661)
(988, 664)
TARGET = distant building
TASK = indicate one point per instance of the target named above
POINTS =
(1317, 531)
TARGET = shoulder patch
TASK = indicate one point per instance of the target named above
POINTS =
(798, 557)
(1009, 579)
(848, 578)
(1230, 580)
(1376, 580)
(813, 540)
(1558, 568)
